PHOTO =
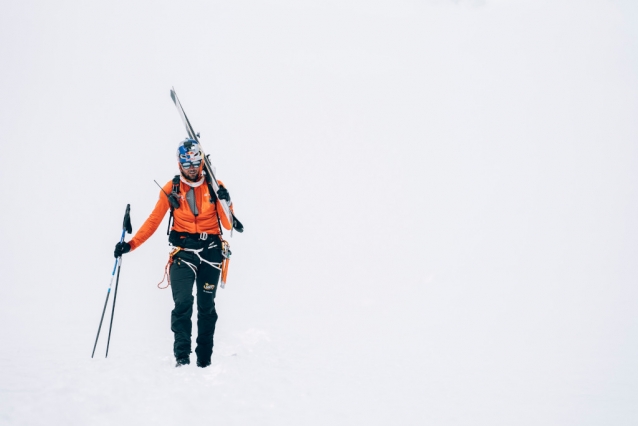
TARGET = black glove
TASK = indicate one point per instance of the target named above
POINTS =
(222, 194)
(121, 248)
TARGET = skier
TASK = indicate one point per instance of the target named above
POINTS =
(197, 250)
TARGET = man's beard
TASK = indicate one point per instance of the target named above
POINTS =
(192, 179)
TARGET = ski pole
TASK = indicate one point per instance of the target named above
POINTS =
(108, 293)
(125, 228)
(117, 280)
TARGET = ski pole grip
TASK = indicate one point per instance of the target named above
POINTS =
(126, 226)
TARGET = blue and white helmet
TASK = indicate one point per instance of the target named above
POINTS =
(188, 153)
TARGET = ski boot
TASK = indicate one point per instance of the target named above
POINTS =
(203, 363)
(182, 361)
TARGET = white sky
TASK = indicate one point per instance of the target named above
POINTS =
(449, 179)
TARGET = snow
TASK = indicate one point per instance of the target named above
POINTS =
(439, 200)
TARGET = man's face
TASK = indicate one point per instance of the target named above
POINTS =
(191, 171)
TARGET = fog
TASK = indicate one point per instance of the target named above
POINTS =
(438, 196)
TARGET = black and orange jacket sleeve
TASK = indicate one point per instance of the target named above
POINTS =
(153, 222)
(227, 222)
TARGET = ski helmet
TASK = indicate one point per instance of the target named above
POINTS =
(188, 153)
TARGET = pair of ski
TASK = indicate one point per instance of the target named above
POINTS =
(208, 167)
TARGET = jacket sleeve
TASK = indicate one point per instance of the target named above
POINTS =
(152, 223)
(226, 221)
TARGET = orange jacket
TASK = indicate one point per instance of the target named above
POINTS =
(183, 219)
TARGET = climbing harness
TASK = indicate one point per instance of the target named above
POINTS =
(220, 266)
(173, 200)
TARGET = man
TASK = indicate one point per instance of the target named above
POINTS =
(197, 255)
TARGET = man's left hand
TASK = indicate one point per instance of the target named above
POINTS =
(222, 194)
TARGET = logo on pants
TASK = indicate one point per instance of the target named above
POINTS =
(209, 286)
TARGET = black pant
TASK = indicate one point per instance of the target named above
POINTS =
(206, 279)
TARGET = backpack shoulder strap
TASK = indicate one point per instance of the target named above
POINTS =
(176, 184)
(174, 193)
(213, 198)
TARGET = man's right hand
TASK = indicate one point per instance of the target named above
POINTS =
(121, 248)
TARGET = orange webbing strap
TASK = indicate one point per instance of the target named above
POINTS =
(166, 269)
(226, 253)
(225, 264)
